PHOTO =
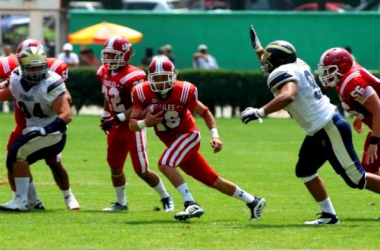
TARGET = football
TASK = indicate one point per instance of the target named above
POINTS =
(153, 109)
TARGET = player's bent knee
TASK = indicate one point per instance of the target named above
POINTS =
(353, 177)
(162, 168)
(360, 185)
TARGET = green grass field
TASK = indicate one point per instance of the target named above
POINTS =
(260, 158)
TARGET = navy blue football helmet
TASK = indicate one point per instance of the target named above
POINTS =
(277, 53)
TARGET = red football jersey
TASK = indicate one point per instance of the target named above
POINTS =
(177, 107)
(352, 89)
(58, 66)
(117, 87)
(7, 65)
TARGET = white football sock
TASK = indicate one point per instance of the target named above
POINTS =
(161, 190)
(22, 186)
(66, 193)
(327, 206)
(121, 194)
(32, 193)
(242, 195)
(183, 189)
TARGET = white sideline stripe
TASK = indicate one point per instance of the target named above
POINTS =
(140, 93)
(185, 92)
(341, 153)
(141, 149)
(192, 145)
(167, 154)
(184, 144)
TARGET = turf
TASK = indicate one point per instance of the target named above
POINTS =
(260, 158)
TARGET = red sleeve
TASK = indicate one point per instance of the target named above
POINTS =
(192, 100)
(64, 71)
(137, 104)
(135, 77)
(99, 73)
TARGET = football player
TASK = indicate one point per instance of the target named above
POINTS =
(329, 136)
(7, 65)
(176, 128)
(118, 77)
(358, 91)
(39, 94)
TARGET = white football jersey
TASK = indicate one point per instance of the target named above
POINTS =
(36, 103)
(311, 109)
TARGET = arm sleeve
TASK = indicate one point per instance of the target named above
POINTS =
(279, 77)
(192, 100)
(55, 88)
(137, 104)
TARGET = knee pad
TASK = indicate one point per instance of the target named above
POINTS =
(309, 178)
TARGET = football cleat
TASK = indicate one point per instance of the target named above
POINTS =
(192, 209)
(36, 205)
(116, 207)
(256, 207)
(16, 205)
(71, 202)
(325, 218)
(168, 204)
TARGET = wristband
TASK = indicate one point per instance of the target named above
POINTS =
(261, 112)
(57, 125)
(214, 133)
(121, 117)
(141, 124)
(374, 140)
(106, 113)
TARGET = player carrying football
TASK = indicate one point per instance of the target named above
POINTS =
(176, 128)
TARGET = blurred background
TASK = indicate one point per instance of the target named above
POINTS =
(312, 26)
(181, 28)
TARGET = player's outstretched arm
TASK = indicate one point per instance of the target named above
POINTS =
(209, 119)
(256, 45)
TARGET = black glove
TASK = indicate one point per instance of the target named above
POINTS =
(108, 122)
(250, 114)
(256, 45)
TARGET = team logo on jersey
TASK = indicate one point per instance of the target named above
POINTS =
(105, 76)
(154, 101)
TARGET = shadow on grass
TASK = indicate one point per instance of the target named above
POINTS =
(152, 222)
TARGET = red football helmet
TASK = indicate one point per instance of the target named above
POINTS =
(27, 44)
(162, 75)
(334, 63)
(117, 52)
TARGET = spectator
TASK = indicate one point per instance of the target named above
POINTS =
(203, 60)
(147, 59)
(160, 54)
(68, 56)
(167, 51)
(7, 51)
(87, 57)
